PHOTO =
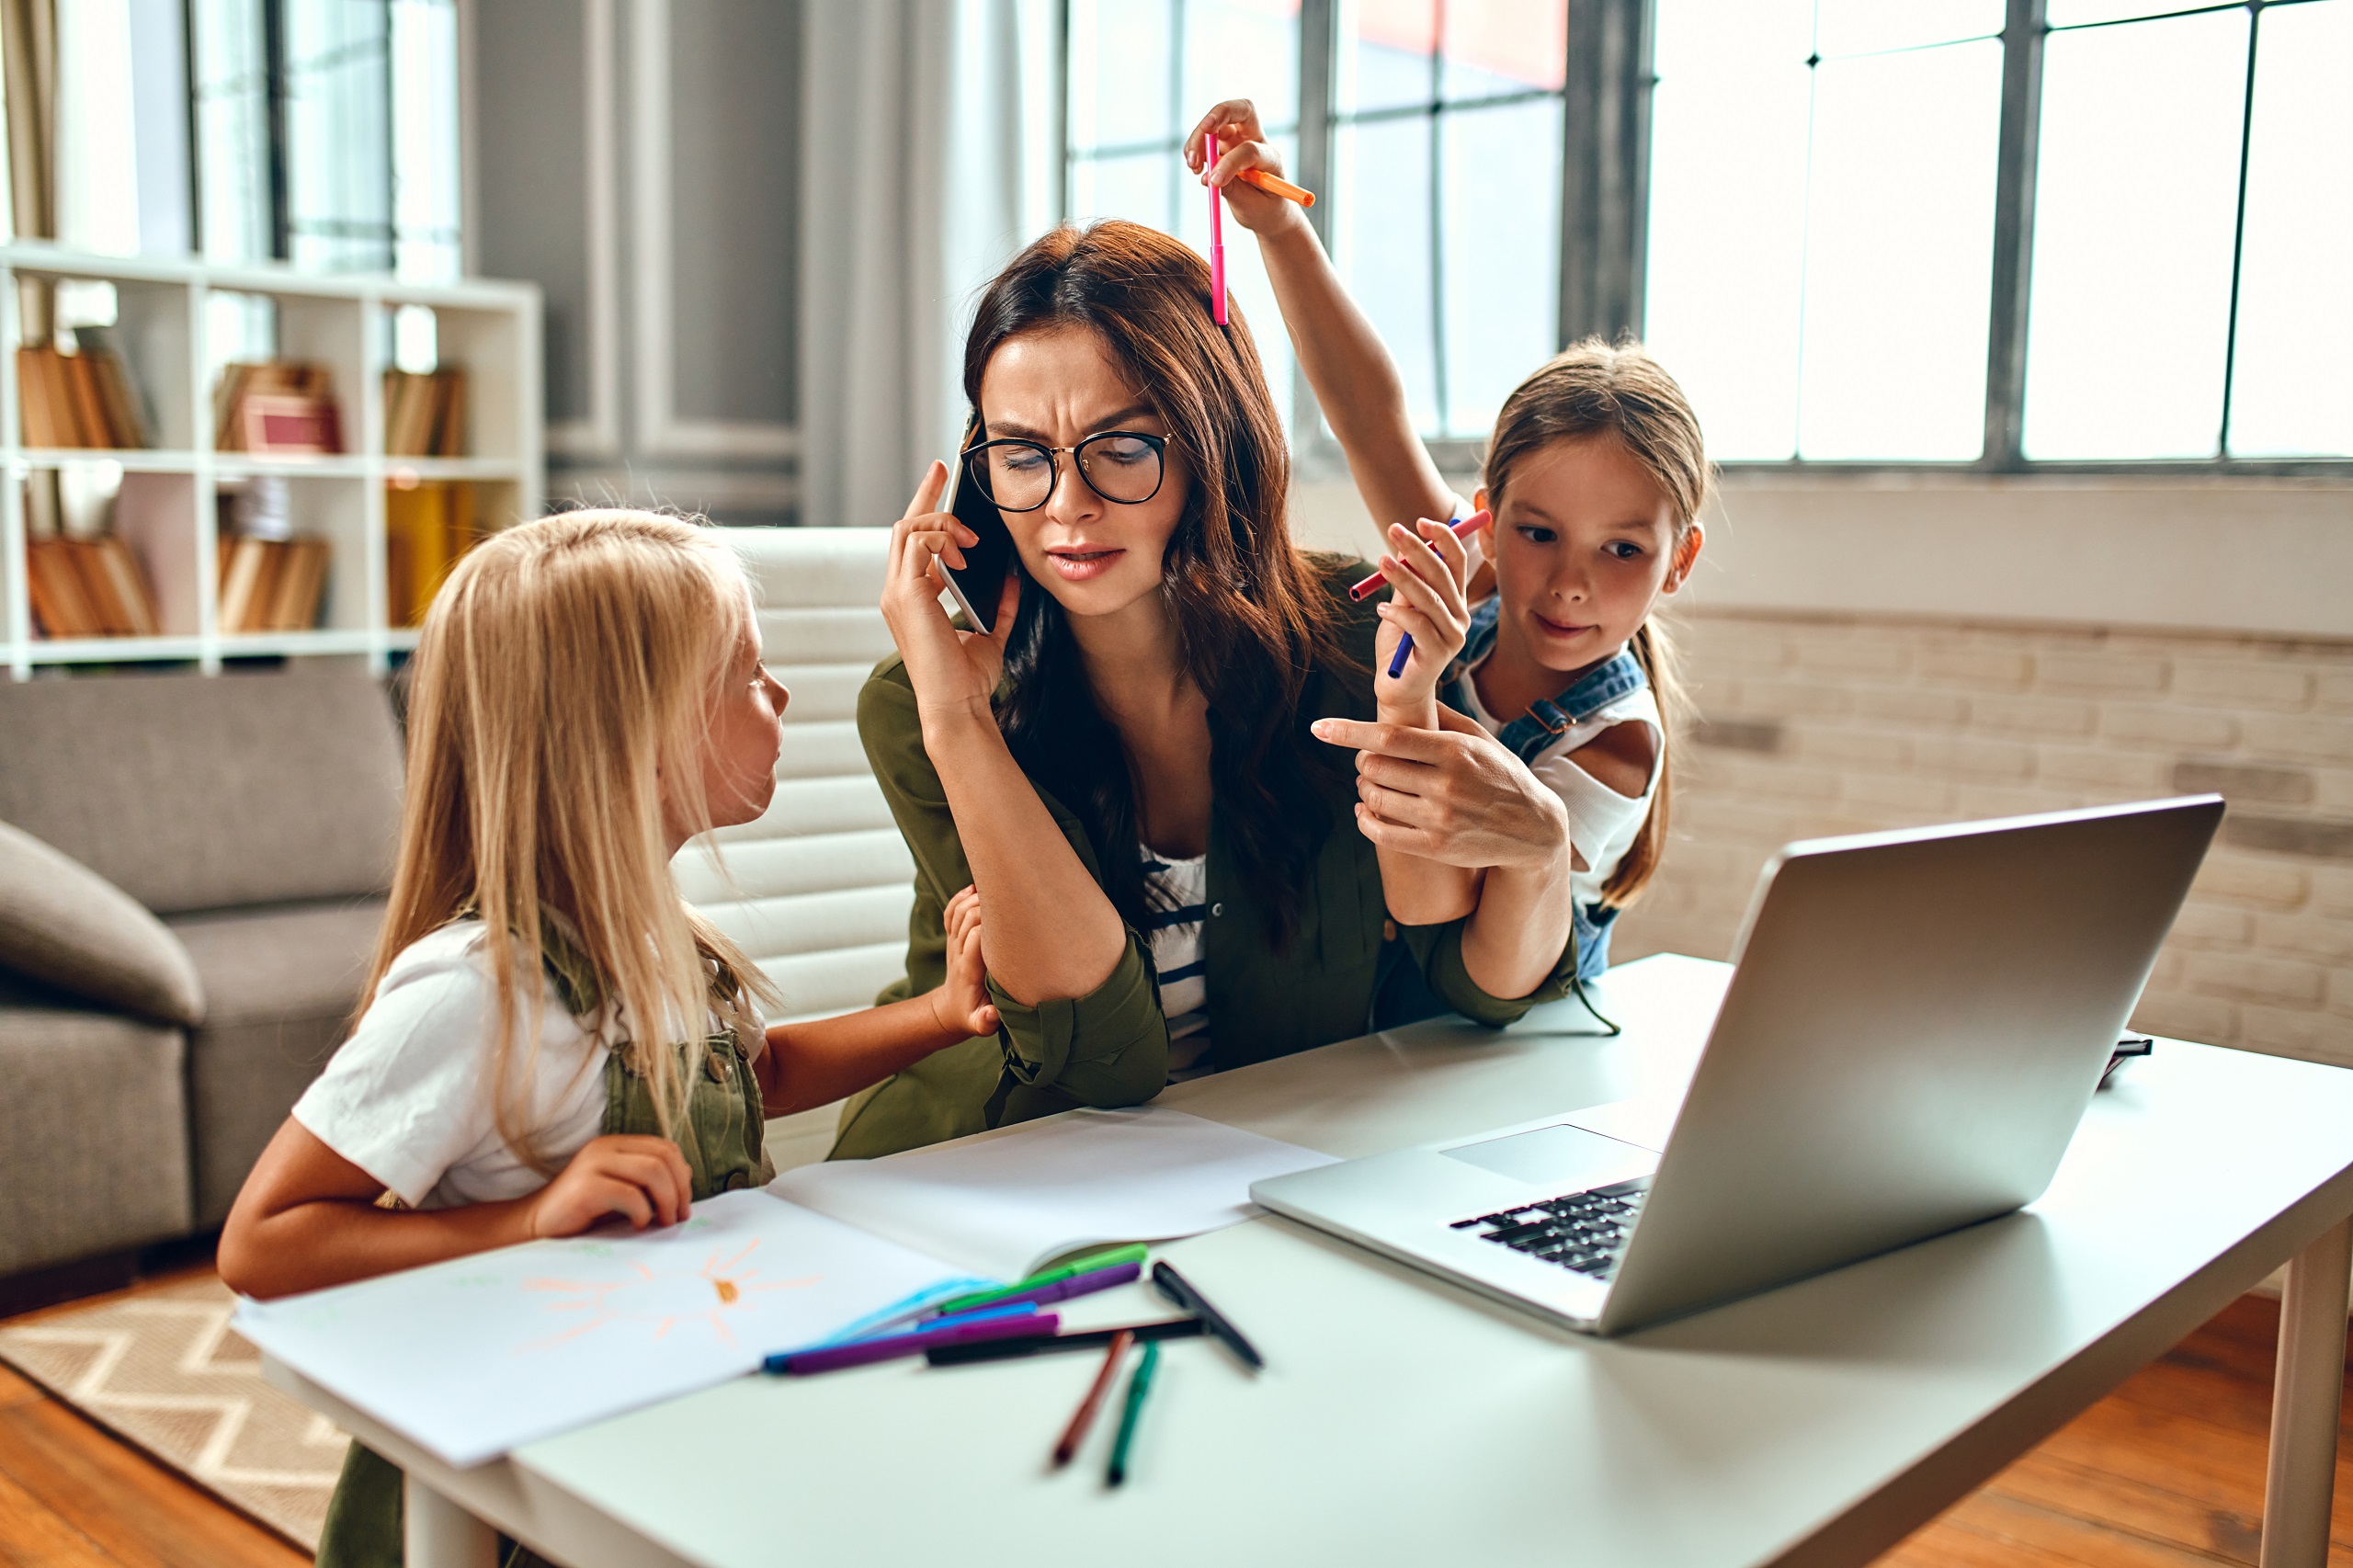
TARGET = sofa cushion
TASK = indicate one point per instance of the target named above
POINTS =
(63, 923)
(94, 1147)
(280, 985)
(207, 791)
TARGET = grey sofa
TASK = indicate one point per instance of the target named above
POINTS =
(255, 815)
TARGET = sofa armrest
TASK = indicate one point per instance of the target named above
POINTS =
(63, 924)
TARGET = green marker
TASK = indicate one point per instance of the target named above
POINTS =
(1132, 1253)
(1138, 1386)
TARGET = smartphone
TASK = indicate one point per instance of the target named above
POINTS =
(979, 584)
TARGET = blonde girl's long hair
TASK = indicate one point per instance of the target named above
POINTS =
(1594, 388)
(559, 695)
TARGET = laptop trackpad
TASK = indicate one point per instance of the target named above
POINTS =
(1568, 1157)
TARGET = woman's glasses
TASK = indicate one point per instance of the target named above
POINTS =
(1120, 466)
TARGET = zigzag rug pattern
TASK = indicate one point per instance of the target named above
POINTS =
(162, 1371)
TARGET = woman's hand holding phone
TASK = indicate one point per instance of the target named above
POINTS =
(954, 673)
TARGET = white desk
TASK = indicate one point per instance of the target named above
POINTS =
(1401, 1420)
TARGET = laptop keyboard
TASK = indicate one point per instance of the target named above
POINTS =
(1582, 1231)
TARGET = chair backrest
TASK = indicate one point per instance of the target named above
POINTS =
(817, 891)
(194, 791)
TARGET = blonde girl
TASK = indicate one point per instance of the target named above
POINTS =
(552, 1038)
(1596, 475)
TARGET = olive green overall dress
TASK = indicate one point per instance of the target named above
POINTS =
(722, 1115)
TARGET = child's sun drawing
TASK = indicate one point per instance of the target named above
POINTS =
(709, 1295)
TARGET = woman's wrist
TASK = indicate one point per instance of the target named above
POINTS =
(949, 727)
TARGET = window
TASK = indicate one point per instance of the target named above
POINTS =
(1859, 231)
(1141, 73)
(1821, 222)
(2192, 245)
(1827, 234)
(327, 133)
(1447, 193)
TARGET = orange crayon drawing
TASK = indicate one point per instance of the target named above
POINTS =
(664, 1299)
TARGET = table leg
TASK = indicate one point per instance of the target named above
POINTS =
(2306, 1389)
(436, 1533)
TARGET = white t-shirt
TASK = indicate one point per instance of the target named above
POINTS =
(408, 1097)
(1602, 822)
(1174, 929)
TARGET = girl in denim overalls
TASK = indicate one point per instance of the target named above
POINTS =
(553, 1036)
(1595, 475)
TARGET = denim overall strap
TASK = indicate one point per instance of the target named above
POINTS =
(1620, 675)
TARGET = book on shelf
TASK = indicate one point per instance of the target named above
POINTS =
(426, 526)
(277, 407)
(88, 587)
(272, 585)
(425, 413)
(84, 399)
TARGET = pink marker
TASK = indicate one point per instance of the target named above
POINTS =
(1217, 246)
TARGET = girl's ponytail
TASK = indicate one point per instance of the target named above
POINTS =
(1655, 653)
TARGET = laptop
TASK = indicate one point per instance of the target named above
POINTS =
(1914, 1027)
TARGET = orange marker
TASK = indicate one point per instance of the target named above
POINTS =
(1275, 185)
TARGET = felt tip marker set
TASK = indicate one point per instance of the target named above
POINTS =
(1009, 1321)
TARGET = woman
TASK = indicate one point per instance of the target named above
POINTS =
(1175, 876)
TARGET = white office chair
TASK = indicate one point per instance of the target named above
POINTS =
(817, 891)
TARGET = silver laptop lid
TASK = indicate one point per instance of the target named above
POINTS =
(1915, 1025)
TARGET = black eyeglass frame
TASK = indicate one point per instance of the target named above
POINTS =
(1159, 445)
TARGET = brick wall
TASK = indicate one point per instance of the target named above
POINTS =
(1817, 724)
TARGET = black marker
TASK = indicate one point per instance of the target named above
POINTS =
(1179, 1289)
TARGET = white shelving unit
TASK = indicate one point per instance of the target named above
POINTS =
(489, 328)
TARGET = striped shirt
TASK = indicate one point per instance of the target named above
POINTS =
(1180, 903)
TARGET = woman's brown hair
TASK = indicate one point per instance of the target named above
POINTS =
(1619, 392)
(1253, 619)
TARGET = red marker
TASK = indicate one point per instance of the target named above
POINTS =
(1462, 529)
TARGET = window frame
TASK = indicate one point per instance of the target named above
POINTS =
(1604, 209)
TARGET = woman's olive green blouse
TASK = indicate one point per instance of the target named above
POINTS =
(1110, 1047)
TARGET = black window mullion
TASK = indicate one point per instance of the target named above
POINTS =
(2238, 230)
(274, 46)
(1319, 132)
(2023, 33)
(1319, 46)
(1605, 167)
(1064, 160)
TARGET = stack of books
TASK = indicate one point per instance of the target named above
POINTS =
(272, 585)
(276, 408)
(425, 414)
(88, 587)
(427, 528)
(82, 399)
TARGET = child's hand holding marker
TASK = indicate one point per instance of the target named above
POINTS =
(1229, 150)
(1427, 617)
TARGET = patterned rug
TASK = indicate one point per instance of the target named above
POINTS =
(162, 1371)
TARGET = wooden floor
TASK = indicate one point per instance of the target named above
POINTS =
(72, 1497)
(2165, 1473)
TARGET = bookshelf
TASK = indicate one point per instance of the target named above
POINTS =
(167, 319)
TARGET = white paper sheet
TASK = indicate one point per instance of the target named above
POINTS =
(1006, 1206)
(472, 1357)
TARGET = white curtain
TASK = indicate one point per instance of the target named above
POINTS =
(928, 161)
